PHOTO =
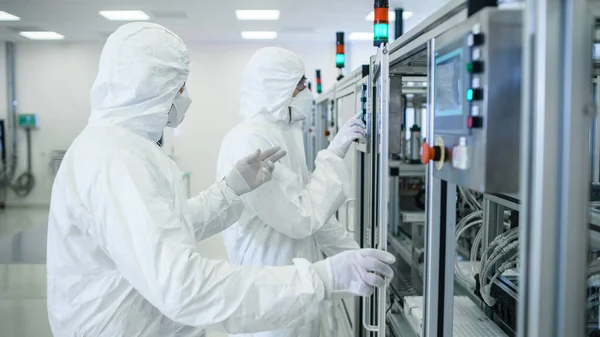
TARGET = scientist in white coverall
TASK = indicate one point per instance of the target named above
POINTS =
(291, 216)
(122, 257)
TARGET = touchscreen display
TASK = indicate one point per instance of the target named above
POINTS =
(448, 84)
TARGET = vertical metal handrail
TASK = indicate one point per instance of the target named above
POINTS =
(384, 172)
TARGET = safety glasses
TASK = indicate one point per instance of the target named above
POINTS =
(302, 84)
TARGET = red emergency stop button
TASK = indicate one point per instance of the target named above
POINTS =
(429, 153)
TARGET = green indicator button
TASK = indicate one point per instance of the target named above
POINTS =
(475, 67)
(474, 94)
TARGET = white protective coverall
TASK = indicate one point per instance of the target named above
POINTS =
(292, 215)
(122, 257)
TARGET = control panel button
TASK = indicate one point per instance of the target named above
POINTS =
(474, 94)
(475, 40)
(474, 122)
(430, 153)
(475, 67)
(460, 155)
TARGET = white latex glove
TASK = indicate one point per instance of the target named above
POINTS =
(353, 130)
(355, 272)
(254, 170)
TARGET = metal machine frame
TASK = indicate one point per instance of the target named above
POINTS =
(554, 190)
(552, 204)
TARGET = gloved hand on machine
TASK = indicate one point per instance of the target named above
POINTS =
(353, 130)
(355, 272)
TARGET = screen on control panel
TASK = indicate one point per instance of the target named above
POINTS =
(448, 84)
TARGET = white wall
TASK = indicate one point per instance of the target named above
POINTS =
(52, 80)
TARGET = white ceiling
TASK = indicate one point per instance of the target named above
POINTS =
(203, 20)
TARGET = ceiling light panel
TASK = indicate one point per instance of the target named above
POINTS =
(4, 16)
(42, 35)
(257, 14)
(125, 15)
(169, 14)
(391, 15)
(257, 35)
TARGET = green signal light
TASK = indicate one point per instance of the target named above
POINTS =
(381, 32)
(340, 60)
(470, 95)
(319, 89)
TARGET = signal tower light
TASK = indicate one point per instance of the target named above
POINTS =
(340, 56)
(381, 22)
(319, 86)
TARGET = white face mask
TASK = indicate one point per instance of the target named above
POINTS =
(301, 105)
(180, 106)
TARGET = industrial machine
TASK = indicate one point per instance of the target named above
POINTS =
(405, 86)
(494, 236)
(426, 297)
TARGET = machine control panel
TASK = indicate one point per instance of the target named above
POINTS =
(476, 102)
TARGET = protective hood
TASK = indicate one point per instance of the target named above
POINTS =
(270, 79)
(142, 67)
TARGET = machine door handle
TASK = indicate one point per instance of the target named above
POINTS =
(348, 214)
(365, 319)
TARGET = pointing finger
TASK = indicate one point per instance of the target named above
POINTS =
(269, 152)
(277, 156)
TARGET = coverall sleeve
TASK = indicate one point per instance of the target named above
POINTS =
(285, 203)
(214, 210)
(141, 232)
(333, 238)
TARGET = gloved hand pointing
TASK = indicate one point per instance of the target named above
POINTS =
(355, 272)
(353, 130)
(254, 170)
